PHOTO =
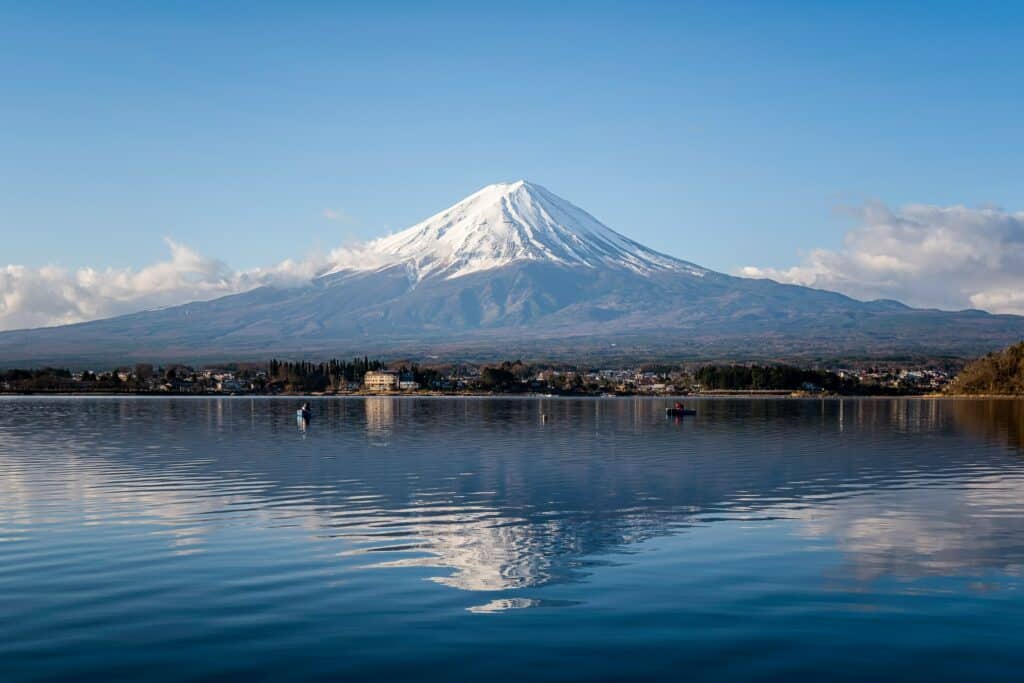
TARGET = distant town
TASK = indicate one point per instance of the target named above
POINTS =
(362, 376)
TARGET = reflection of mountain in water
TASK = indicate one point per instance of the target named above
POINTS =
(484, 490)
(485, 551)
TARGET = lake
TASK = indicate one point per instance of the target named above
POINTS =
(470, 539)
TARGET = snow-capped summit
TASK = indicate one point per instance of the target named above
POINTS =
(513, 222)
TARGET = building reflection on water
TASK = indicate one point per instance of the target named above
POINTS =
(494, 499)
(380, 418)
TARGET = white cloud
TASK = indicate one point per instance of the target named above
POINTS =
(932, 256)
(51, 295)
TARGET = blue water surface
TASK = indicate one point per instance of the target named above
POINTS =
(470, 539)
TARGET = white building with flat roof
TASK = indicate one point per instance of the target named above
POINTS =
(380, 381)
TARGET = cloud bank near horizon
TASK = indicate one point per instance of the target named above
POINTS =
(949, 257)
(52, 295)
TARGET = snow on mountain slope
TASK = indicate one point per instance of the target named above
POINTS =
(511, 222)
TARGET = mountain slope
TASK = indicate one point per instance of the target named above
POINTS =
(515, 270)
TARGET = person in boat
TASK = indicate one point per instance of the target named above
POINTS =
(304, 413)
(678, 406)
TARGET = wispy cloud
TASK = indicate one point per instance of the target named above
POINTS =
(338, 215)
(949, 257)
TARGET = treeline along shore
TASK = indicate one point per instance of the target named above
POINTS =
(372, 376)
(999, 373)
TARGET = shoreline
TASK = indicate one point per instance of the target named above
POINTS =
(778, 395)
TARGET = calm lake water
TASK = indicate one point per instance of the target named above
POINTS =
(431, 539)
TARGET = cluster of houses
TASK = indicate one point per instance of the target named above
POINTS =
(641, 382)
(901, 378)
(181, 380)
(227, 382)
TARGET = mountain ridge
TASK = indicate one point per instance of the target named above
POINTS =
(514, 267)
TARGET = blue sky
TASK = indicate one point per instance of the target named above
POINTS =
(724, 133)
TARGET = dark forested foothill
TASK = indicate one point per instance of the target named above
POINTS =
(1000, 373)
(41, 379)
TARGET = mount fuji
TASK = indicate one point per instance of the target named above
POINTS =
(515, 270)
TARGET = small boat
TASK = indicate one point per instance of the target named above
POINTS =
(679, 412)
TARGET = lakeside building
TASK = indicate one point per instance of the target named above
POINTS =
(233, 386)
(380, 381)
